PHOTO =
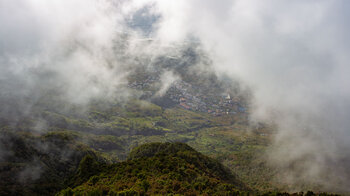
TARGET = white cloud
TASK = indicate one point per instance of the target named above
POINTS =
(293, 56)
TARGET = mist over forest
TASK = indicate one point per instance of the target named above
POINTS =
(262, 87)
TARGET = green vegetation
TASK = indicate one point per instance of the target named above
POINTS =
(39, 165)
(143, 144)
(157, 168)
(109, 131)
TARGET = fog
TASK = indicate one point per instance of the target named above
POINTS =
(292, 55)
(67, 46)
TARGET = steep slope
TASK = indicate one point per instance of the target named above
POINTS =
(157, 168)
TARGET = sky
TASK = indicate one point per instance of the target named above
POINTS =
(292, 56)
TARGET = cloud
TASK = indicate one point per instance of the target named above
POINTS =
(69, 46)
(293, 57)
(166, 80)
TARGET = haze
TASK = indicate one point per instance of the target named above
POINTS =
(292, 55)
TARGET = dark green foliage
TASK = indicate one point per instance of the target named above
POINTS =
(160, 168)
(88, 167)
(308, 193)
(163, 169)
(39, 165)
(154, 168)
(67, 192)
(145, 185)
